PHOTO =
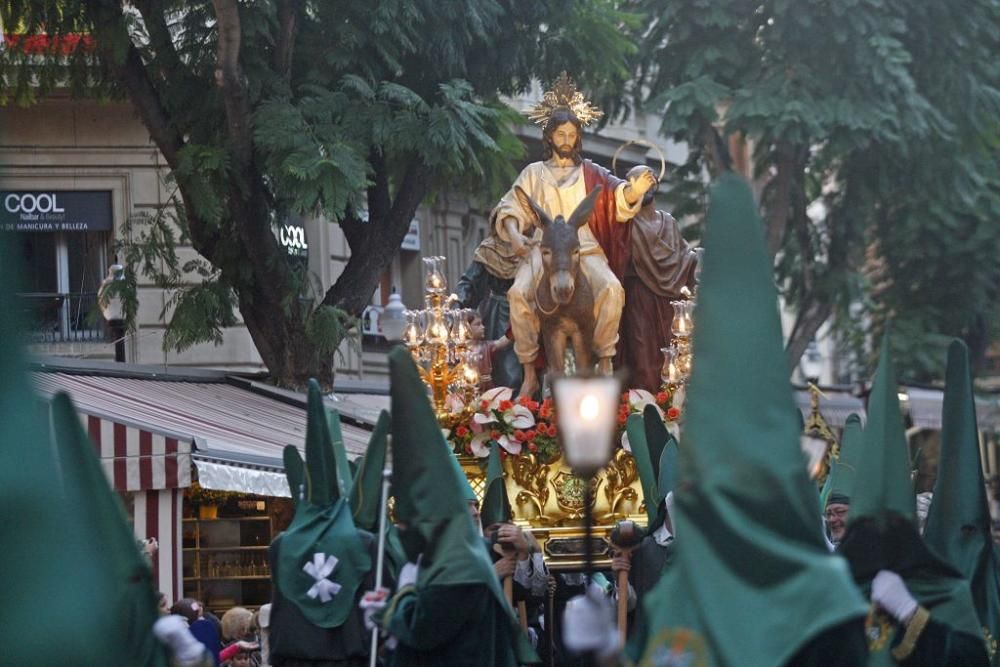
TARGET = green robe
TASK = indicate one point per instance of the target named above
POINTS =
(451, 626)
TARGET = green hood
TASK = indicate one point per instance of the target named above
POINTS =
(663, 451)
(86, 488)
(881, 530)
(882, 481)
(958, 523)
(295, 472)
(751, 554)
(366, 491)
(644, 465)
(55, 608)
(430, 491)
(496, 506)
(342, 468)
(322, 533)
(840, 482)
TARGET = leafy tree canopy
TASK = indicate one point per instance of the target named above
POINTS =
(354, 110)
(869, 129)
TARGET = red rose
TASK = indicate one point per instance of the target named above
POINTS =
(531, 434)
(532, 405)
(520, 435)
(532, 447)
(461, 431)
(673, 414)
(494, 435)
(662, 397)
(622, 420)
(505, 406)
(484, 406)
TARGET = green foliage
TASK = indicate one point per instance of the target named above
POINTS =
(884, 113)
(373, 105)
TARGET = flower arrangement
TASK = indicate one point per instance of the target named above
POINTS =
(521, 426)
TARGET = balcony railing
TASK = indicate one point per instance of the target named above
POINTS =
(52, 317)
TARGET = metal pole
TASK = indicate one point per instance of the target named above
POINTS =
(380, 558)
(588, 546)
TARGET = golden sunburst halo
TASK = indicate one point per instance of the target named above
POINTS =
(563, 95)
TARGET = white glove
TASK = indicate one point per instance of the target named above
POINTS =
(371, 603)
(407, 575)
(890, 593)
(589, 624)
(173, 631)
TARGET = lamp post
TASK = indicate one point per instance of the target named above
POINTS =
(586, 407)
(393, 319)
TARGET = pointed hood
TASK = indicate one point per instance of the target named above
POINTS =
(295, 472)
(366, 490)
(751, 553)
(636, 430)
(840, 484)
(343, 474)
(430, 491)
(496, 506)
(882, 482)
(322, 559)
(132, 594)
(958, 523)
(45, 618)
(662, 450)
(881, 525)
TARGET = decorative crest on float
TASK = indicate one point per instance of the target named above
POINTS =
(563, 95)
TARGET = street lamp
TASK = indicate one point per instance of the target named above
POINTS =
(393, 319)
(586, 408)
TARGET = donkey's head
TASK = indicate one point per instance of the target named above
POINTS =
(560, 245)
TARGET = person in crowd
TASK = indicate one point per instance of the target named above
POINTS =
(449, 568)
(203, 629)
(926, 613)
(174, 632)
(162, 604)
(323, 563)
(237, 634)
(958, 522)
(835, 515)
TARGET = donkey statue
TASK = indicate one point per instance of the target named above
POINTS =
(563, 297)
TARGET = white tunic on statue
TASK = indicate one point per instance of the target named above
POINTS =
(560, 197)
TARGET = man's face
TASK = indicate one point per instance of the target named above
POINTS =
(564, 140)
(836, 520)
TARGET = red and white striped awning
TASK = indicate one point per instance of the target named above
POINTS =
(139, 459)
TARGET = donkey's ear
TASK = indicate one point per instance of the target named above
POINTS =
(531, 208)
(581, 214)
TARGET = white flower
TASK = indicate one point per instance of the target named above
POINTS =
(494, 397)
(519, 417)
(638, 399)
(626, 445)
(480, 445)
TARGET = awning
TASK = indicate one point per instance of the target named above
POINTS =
(139, 459)
(238, 434)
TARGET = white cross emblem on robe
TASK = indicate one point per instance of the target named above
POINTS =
(319, 569)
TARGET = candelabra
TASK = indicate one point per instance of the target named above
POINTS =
(439, 338)
(677, 356)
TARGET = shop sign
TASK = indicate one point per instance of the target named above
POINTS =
(412, 239)
(292, 236)
(56, 211)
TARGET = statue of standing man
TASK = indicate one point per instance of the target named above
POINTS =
(558, 184)
(661, 264)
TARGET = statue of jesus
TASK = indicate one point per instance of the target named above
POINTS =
(558, 184)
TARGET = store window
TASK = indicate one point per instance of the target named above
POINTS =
(60, 240)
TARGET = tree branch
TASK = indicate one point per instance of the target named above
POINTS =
(779, 192)
(229, 79)
(289, 14)
(154, 16)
